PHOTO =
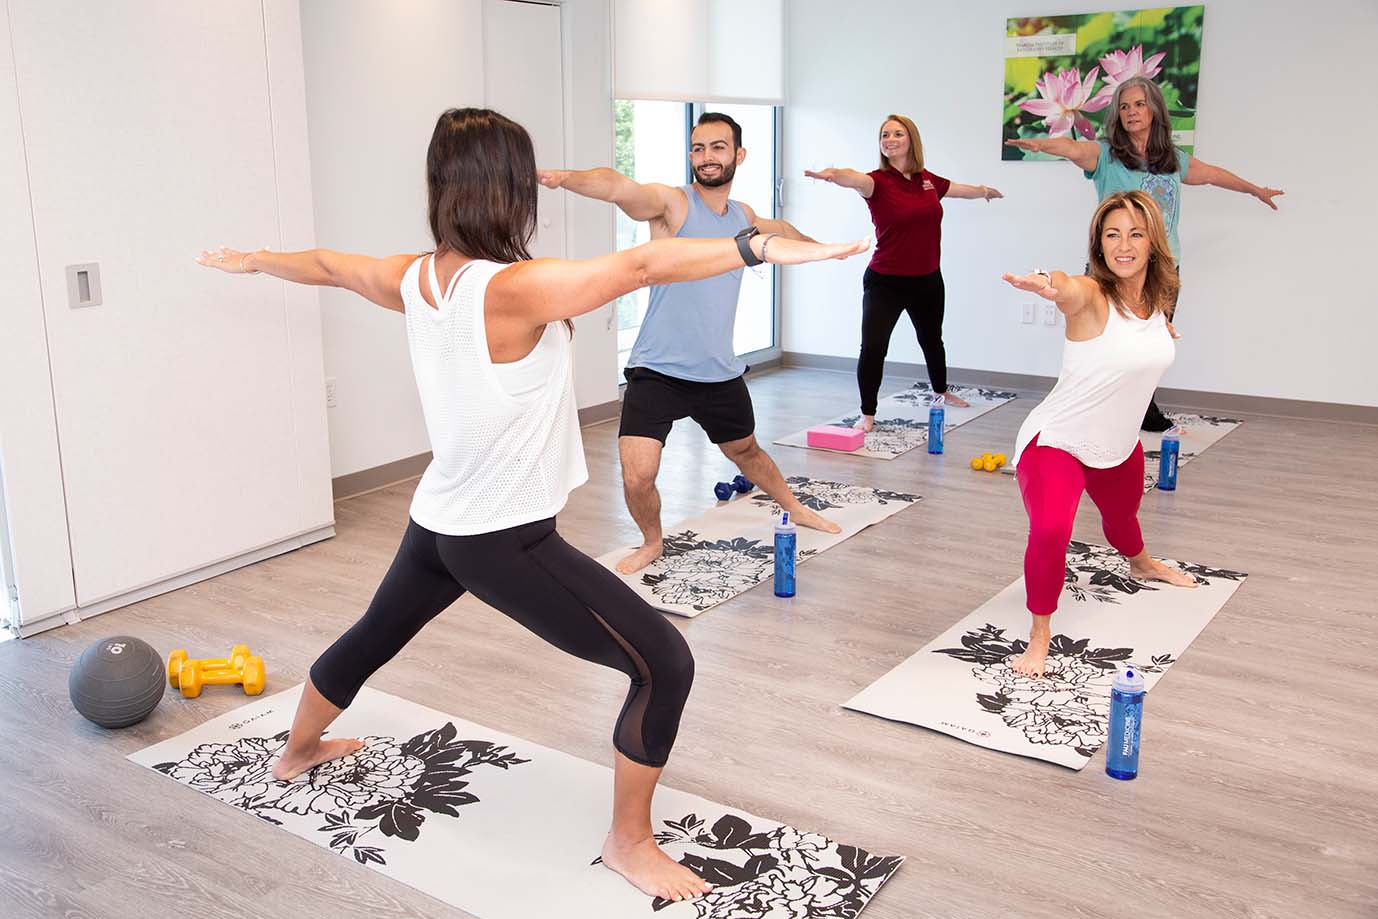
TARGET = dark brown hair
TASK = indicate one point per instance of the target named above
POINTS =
(1161, 283)
(914, 163)
(1160, 155)
(481, 182)
(720, 118)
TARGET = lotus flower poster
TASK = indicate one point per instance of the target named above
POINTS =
(1061, 71)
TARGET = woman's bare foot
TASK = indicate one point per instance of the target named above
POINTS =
(956, 401)
(805, 517)
(651, 871)
(291, 764)
(1147, 568)
(1033, 662)
(641, 557)
(865, 423)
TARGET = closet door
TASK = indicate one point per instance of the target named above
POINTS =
(149, 137)
(524, 80)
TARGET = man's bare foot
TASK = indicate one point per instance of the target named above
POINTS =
(865, 423)
(651, 871)
(641, 557)
(805, 517)
(289, 766)
(1150, 569)
(1033, 662)
(956, 401)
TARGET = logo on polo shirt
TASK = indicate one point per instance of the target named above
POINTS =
(927, 185)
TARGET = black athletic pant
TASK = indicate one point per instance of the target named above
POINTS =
(532, 575)
(884, 297)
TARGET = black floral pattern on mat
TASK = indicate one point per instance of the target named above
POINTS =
(1100, 573)
(780, 873)
(701, 573)
(384, 791)
(893, 436)
(823, 496)
(922, 394)
(1069, 706)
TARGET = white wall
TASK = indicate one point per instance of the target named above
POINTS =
(377, 76)
(1274, 304)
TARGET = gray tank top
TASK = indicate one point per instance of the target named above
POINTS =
(687, 332)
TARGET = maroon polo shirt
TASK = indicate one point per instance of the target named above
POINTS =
(908, 216)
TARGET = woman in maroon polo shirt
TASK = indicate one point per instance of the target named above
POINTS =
(906, 207)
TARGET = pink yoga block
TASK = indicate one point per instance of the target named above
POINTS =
(836, 438)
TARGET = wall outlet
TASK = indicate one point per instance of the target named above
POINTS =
(1028, 317)
(1050, 314)
(329, 392)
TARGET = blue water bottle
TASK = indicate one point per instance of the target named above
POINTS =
(935, 425)
(1167, 459)
(1126, 717)
(785, 537)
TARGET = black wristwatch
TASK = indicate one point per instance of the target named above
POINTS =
(744, 246)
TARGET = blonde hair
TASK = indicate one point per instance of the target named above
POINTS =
(1161, 283)
(915, 163)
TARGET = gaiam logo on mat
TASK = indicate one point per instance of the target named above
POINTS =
(239, 724)
(975, 732)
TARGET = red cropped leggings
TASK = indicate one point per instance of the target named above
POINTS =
(1051, 481)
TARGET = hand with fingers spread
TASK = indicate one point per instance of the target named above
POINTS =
(1039, 282)
(1266, 195)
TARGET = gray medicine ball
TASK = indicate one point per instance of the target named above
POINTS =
(117, 681)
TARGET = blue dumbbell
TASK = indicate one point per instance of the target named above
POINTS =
(740, 484)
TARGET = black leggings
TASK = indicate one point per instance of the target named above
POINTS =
(532, 575)
(884, 297)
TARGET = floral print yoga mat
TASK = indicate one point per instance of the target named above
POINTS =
(961, 683)
(498, 826)
(730, 548)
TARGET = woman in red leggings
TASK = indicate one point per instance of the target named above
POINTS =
(1085, 434)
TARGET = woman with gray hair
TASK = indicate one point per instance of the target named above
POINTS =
(1137, 152)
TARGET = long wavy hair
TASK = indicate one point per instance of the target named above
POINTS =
(915, 163)
(1160, 286)
(1160, 156)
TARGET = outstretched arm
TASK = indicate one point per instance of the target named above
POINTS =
(862, 183)
(1071, 293)
(1201, 173)
(378, 280)
(1084, 153)
(545, 290)
(649, 201)
(777, 227)
(984, 192)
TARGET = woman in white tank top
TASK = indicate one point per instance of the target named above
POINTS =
(490, 339)
(1085, 434)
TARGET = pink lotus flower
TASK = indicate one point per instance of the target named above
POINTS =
(1120, 66)
(1066, 97)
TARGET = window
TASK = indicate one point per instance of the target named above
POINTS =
(652, 145)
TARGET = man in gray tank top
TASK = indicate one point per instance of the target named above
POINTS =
(683, 364)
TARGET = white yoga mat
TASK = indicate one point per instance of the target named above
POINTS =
(504, 828)
(731, 547)
(902, 420)
(1199, 432)
(960, 683)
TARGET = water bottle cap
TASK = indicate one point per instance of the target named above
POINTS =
(1173, 433)
(785, 523)
(1129, 679)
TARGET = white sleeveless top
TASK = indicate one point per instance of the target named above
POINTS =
(505, 442)
(1098, 403)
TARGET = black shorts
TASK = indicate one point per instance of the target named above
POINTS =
(653, 402)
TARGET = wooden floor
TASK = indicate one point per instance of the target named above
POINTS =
(1259, 792)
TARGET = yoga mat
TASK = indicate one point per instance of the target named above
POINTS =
(1199, 432)
(731, 547)
(902, 420)
(501, 827)
(960, 683)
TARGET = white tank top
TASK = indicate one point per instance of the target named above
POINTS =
(505, 442)
(1098, 403)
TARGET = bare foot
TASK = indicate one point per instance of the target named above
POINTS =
(641, 558)
(289, 766)
(651, 871)
(865, 423)
(1032, 663)
(1150, 569)
(951, 398)
(814, 520)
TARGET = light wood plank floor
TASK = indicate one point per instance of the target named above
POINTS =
(1260, 776)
